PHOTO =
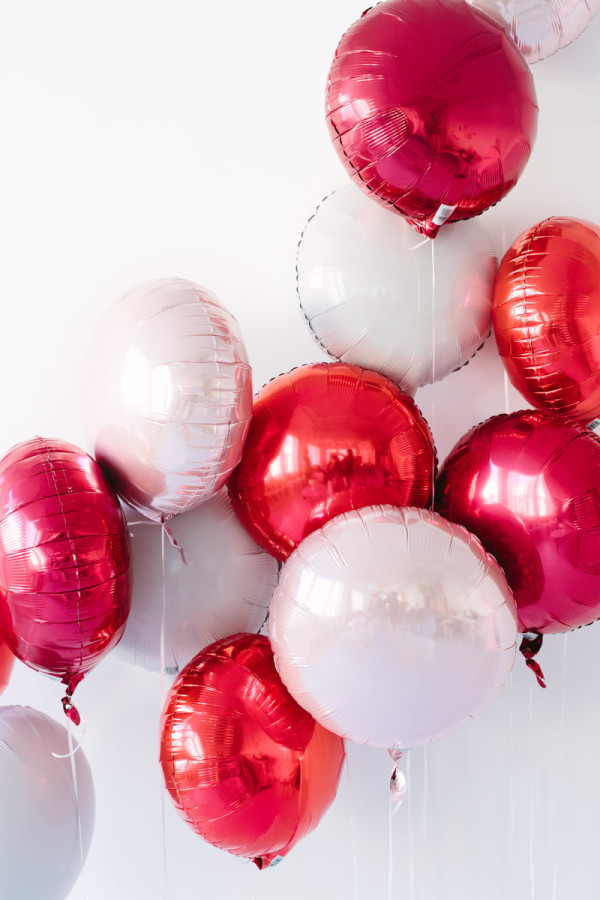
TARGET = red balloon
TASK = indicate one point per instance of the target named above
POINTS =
(432, 109)
(7, 659)
(247, 768)
(64, 559)
(528, 485)
(325, 439)
(547, 316)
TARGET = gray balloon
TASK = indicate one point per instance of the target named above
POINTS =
(167, 396)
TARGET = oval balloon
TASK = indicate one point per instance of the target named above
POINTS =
(373, 294)
(528, 485)
(217, 583)
(167, 396)
(431, 108)
(392, 627)
(247, 768)
(547, 316)
(64, 559)
(42, 849)
(542, 27)
(324, 439)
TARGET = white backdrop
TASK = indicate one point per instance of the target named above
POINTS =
(148, 139)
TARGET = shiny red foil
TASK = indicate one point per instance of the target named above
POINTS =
(7, 659)
(64, 559)
(528, 485)
(247, 768)
(547, 316)
(325, 439)
(431, 108)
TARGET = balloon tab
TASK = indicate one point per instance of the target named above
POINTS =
(398, 782)
(71, 711)
(530, 647)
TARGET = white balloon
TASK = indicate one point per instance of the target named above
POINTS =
(541, 27)
(40, 850)
(392, 627)
(223, 587)
(376, 294)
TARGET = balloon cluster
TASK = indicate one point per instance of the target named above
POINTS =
(391, 624)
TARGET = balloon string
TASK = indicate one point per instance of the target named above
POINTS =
(390, 848)
(531, 800)
(561, 753)
(411, 843)
(162, 696)
(352, 830)
(71, 755)
(511, 787)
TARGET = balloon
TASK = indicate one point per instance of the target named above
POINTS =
(541, 28)
(547, 316)
(528, 485)
(324, 439)
(64, 559)
(392, 627)
(168, 396)
(431, 109)
(247, 768)
(374, 295)
(7, 659)
(40, 814)
(222, 585)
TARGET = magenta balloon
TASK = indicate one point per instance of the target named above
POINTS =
(528, 485)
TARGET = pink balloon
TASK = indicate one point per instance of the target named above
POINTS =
(432, 109)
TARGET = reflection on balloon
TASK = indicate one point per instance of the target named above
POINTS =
(40, 851)
(547, 316)
(167, 396)
(431, 109)
(392, 627)
(246, 767)
(222, 585)
(7, 659)
(324, 439)
(528, 485)
(366, 287)
(542, 27)
(64, 553)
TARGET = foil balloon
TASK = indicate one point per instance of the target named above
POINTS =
(431, 108)
(528, 485)
(45, 826)
(392, 627)
(541, 27)
(216, 581)
(547, 316)
(64, 560)
(246, 767)
(375, 295)
(167, 396)
(324, 439)
(7, 659)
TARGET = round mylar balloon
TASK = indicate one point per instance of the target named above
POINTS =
(528, 485)
(40, 851)
(541, 27)
(547, 316)
(246, 767)
(431, 108)
(324, 439)
(221, 585)
(392, 627)
(64, 559)
(7, 659)
(167, 396)
(375, 295)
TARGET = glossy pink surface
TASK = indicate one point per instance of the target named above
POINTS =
(325, 439)
(547, 316)
(64, 559)
(528, 485)
(432, 108)
(7, 659)
(247, 768)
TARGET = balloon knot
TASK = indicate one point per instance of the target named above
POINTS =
(71, 711)
(530, 647)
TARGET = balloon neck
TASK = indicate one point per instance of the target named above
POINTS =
(267, 862)
(530, 647)
(69, 710)
(398, 782)
(172, 539)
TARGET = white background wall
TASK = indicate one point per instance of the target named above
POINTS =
(146, 139)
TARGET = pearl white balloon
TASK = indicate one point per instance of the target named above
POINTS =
(40, 850)
(377, 295)
(392, 627)
(541, 27)
(223, 587)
